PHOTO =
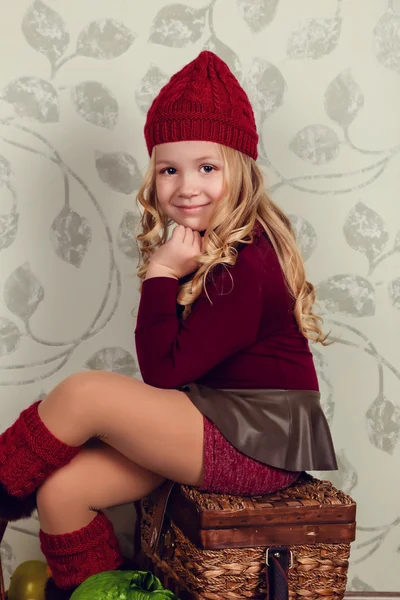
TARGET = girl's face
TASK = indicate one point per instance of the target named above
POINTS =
(189, 181)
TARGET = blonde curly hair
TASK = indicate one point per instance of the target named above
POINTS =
(244, 202)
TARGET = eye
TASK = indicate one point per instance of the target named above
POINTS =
(169, 171)
(208, 168)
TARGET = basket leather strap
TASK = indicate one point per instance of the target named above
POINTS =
(278, 561)
(161, 501)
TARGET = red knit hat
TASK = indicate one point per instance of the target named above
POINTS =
(204, 101)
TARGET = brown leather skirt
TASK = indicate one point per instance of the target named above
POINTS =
(286, 429)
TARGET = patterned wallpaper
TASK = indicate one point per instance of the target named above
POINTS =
(76, 80)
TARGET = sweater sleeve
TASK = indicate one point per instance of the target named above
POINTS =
(172, 352)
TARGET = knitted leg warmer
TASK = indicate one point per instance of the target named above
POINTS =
(73, 557)
(29, 453)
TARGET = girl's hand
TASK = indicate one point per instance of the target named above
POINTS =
(175, 258)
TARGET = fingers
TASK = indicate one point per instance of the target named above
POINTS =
(186, 235)
(189, 235)
(183, 234)
(178, 233)
(194, 239)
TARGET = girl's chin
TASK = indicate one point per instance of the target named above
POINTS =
(193, 224)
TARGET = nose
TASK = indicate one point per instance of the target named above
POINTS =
(187, 186)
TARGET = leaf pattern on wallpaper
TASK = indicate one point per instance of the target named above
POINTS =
(358, 585)
(118, 170)
(34, 98)
(45, 30)
(104, 39)
(345, 478)
(8, 229)
(383, 424)
(342, 181)
(71, 235)
(127, 235)
(113, 359)
(324, 378)
(265, 86)
(6, 173)
(314, 38)
(306, 235)
(149, 86)
(95, 103)
(365, 231)
(316, 144)
(386, 36)
(8, 558)
(397, 242)
(343, 99)
(213, 44)
(394, 292)
(23, 292)
(8, 221)
(177, 25)
(257, 13)
(350, 295)
(10, 336)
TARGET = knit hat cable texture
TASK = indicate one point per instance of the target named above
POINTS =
(203, 101)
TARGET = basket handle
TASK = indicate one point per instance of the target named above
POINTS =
(278, 560)
(162, 496)
(159, 513)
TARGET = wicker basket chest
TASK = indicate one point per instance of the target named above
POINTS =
(293, 544)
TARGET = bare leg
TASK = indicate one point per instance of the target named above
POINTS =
(159, 430)
(97, 478)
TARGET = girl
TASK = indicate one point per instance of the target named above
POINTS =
(230, 398)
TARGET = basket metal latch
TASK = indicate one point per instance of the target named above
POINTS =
(277, 555)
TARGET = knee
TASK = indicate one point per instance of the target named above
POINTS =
(75, 391)
(87, 384)
(78, 384)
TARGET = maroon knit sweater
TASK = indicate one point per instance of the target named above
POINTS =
(247, 338)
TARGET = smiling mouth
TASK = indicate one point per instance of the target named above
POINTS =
(192, 209)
